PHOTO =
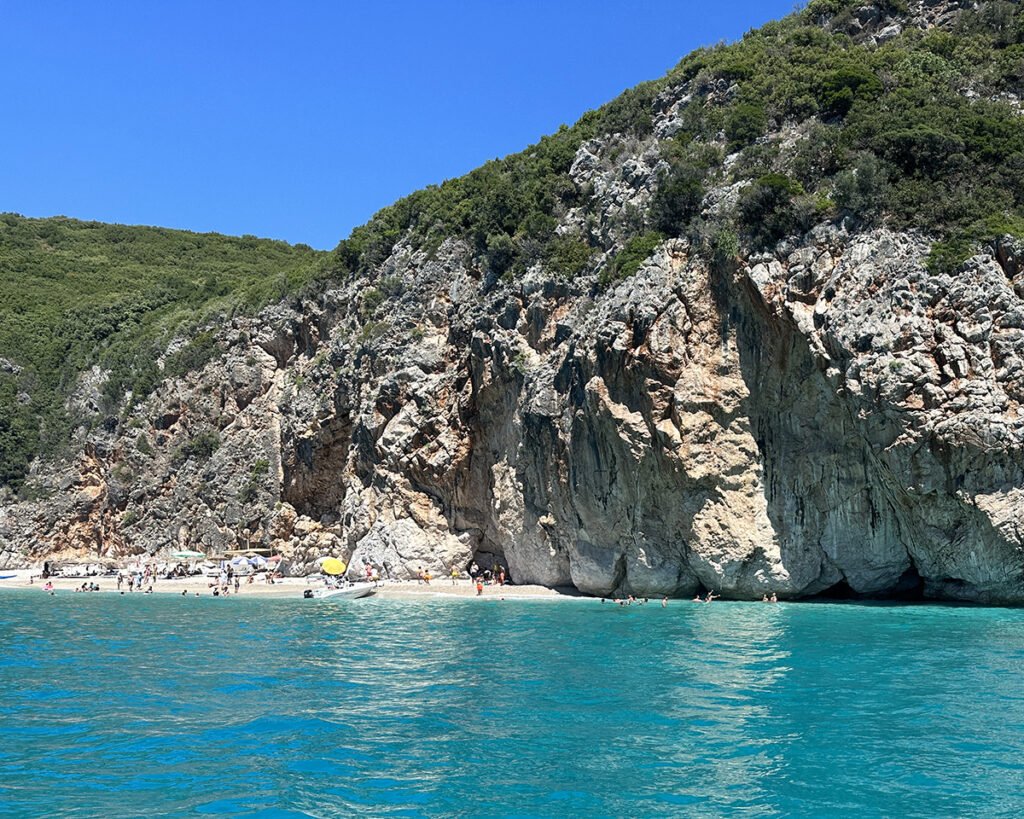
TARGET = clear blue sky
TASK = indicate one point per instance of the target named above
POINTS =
(297, 120)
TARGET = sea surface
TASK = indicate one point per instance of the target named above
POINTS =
(164, 706)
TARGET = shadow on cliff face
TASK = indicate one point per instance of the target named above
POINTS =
(832, 507)
(866, 496)
(312, 470)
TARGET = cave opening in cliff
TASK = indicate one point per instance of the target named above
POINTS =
(909, 588)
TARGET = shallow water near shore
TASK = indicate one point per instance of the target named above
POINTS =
(146, 705)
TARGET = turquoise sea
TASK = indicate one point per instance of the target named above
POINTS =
(164, 706)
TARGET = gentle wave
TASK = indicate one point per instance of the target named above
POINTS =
(120, 706)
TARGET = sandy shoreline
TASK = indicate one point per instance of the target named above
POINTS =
(289, 588)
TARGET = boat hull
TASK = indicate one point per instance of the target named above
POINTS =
(352, 592)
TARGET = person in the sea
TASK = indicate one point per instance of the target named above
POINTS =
(773, 598)
(711, 596)
(664, 602)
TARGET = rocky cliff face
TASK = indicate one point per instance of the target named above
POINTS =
(827, 415)
(824, 417)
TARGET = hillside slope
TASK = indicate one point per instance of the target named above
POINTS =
(81, 294)
(756, 326)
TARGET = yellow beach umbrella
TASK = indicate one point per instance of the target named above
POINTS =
(332, 566)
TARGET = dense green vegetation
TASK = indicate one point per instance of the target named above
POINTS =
(923, 130)
(76, 294)
(888, 132)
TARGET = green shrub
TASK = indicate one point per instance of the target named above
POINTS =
(842, 87)
(862, 190)
(744, 124)
(725, 249)
(250, 489)
(767, 208)
(372, 299)
(819, 156)
(200, 448)
(677, 201)
(568, 257)
(193, 356)
(142, 445)
(947, 256)
(636, 251)
(501, 253)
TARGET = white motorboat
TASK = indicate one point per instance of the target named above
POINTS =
(346, 592)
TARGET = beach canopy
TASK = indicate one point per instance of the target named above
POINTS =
(332, 566)
(188, 553)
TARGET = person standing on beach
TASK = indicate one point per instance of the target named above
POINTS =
(455, 573)
(474, 570)
(479, 587)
